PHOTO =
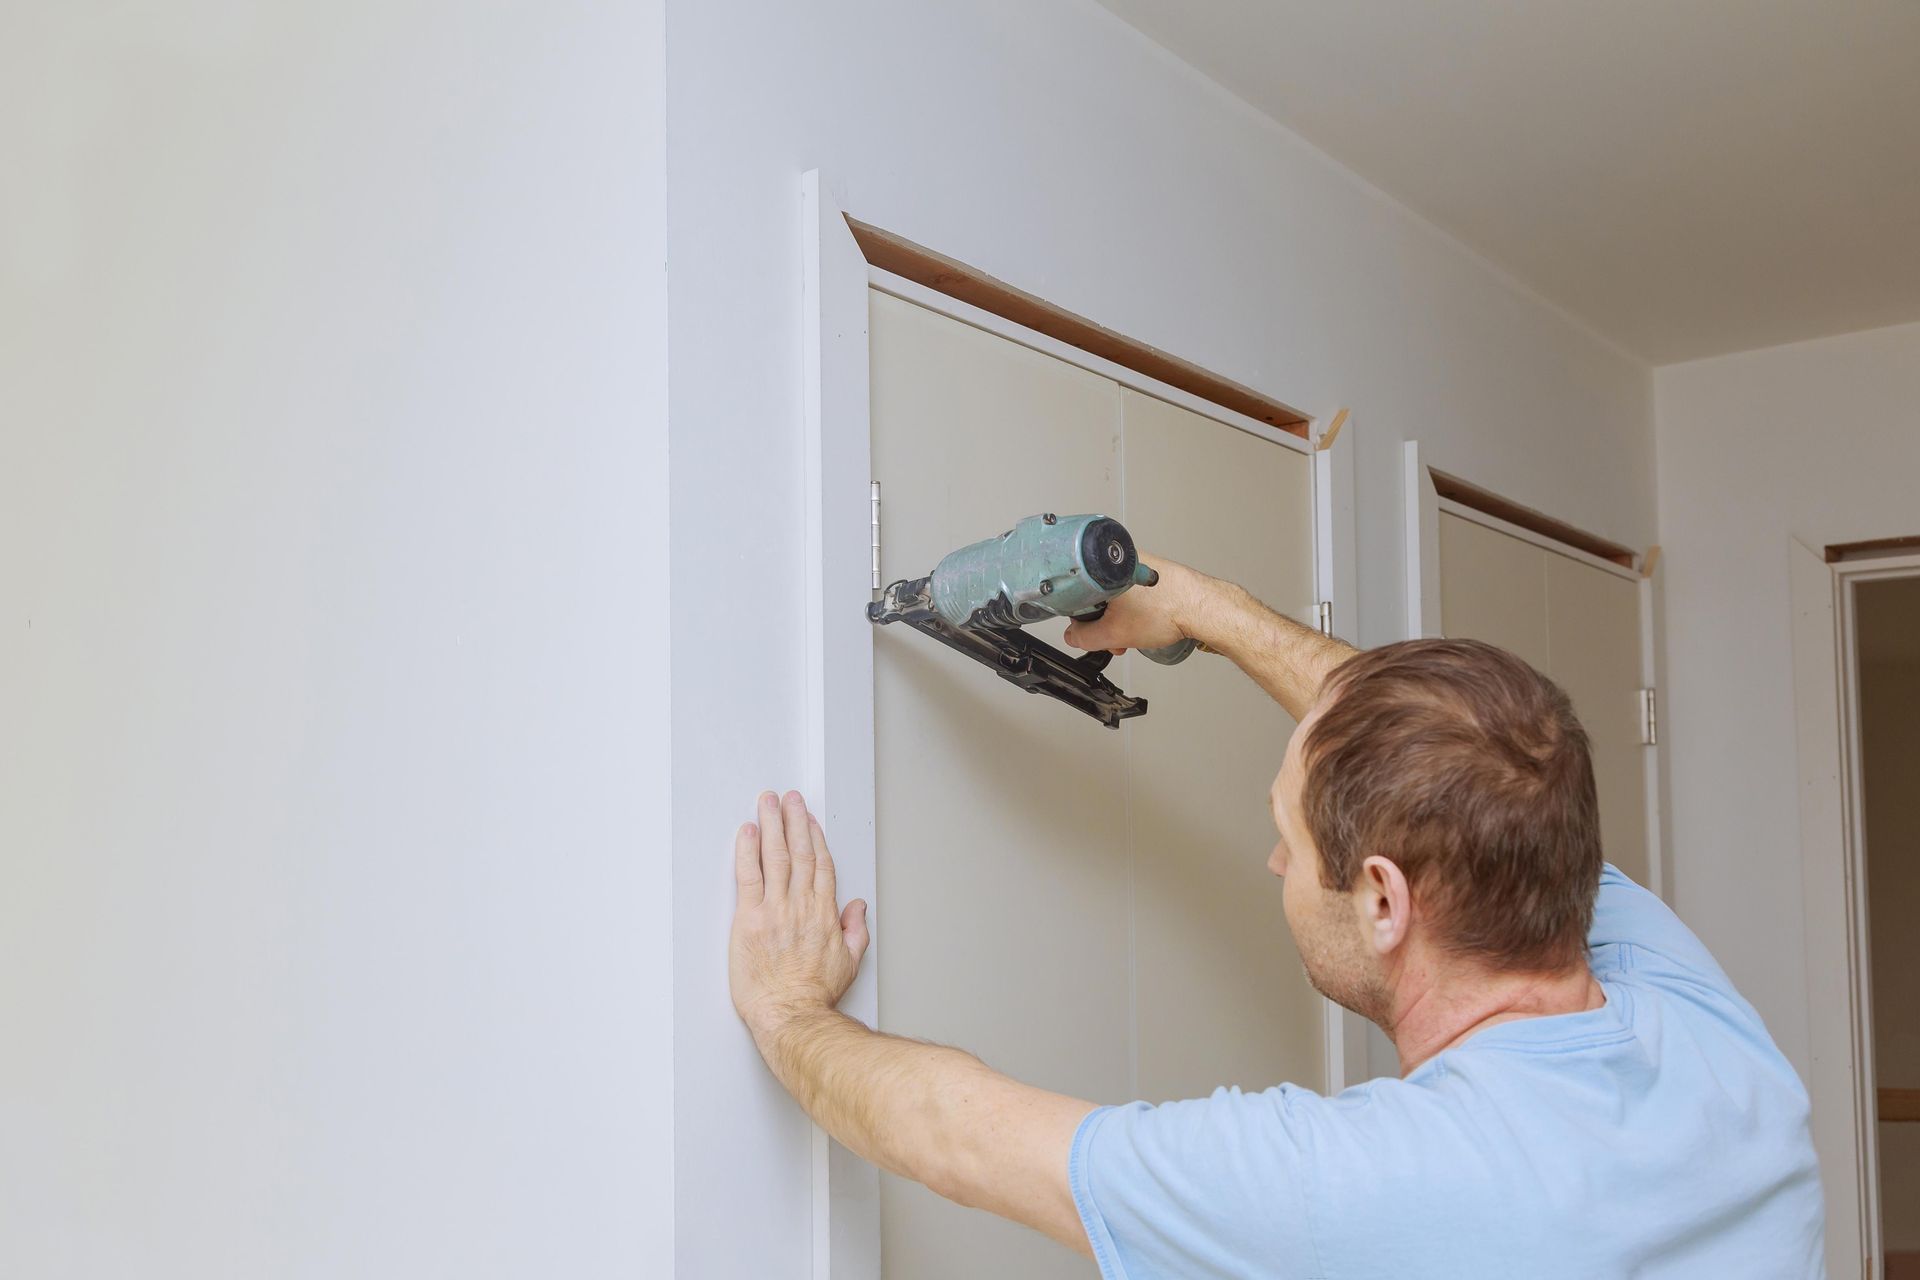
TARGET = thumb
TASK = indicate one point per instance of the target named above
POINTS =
(853, 928)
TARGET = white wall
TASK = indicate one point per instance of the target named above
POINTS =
(333, 805)
(1049, 144)
(1819, 440)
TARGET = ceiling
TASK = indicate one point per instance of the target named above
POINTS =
(1689, 177)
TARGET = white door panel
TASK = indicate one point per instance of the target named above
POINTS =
(1086, 909)
(1593, 630)
(1001, 837)
(1579, 625)
(1494, 588)
(1221, 997)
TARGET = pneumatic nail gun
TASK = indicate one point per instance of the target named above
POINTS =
(977, 599)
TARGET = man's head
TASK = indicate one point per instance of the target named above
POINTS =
(1439, 794)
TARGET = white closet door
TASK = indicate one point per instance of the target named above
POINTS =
(1593, 633)
(1580, 626)
(1087, 909)
(1001, 819)
(1222, 998)
(1494, 588)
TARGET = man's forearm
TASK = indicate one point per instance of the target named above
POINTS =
(934, 1114)
(1288, 660)
(878, 1095)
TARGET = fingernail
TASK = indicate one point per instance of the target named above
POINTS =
(749, 830)
(795, 797)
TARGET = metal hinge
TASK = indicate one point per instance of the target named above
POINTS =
(873, 518)
(1323, 617)
(1649, 718)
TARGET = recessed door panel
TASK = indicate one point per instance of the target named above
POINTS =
(1593, 630)
(1085, 908)
(1001, 827)
(1578, 624)
(1494, 588)
(1221, 996)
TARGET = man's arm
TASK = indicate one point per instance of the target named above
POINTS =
(926, 1112)
(1288, 660)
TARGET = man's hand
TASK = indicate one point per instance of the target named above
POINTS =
(794, 951)
(1145, 617)
(933, 1114)
(1289, 661)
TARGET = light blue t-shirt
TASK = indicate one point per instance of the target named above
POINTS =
(1660, 1135)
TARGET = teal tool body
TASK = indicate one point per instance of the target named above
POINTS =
(978, 598)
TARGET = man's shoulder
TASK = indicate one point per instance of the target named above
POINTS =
(1633, 929)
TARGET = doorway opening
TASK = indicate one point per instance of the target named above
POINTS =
(1855, 621)
(1886, 660)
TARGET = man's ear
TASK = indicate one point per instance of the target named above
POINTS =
(1386, 905)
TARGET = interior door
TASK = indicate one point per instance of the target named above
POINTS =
(1220, 998)
(1578, 624)
(1085, 908)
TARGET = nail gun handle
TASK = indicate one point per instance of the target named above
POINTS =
(1167, 655)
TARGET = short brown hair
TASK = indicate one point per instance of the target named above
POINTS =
(1467, 768)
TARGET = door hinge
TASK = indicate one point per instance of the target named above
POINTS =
(1649, 718)
(873, 520)
(1323, 617)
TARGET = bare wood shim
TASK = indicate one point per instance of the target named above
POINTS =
(1484, 500)
(1650, 560)
(942, 274)
(1332, 432)
(1838, 551)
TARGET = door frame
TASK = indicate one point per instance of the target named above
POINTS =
(841, 566)
(1840, 1077)
(1423, 508)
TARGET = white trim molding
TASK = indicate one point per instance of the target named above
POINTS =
(1421, 529)
(839, 715)
(1337, 581)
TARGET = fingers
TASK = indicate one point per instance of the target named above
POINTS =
(1088, 635)
(853, 928)
(799, 823)
(823, 876)
(776, 863)
(746, 864)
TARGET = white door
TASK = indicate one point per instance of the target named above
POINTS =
(1580, 625)
(1087, 909)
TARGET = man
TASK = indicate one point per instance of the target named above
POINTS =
(1582, 1091)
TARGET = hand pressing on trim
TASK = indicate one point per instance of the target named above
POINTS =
(793, 950)
(924, 1111)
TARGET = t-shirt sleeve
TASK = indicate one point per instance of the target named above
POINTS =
(1633, 929)
(1208, 1187)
